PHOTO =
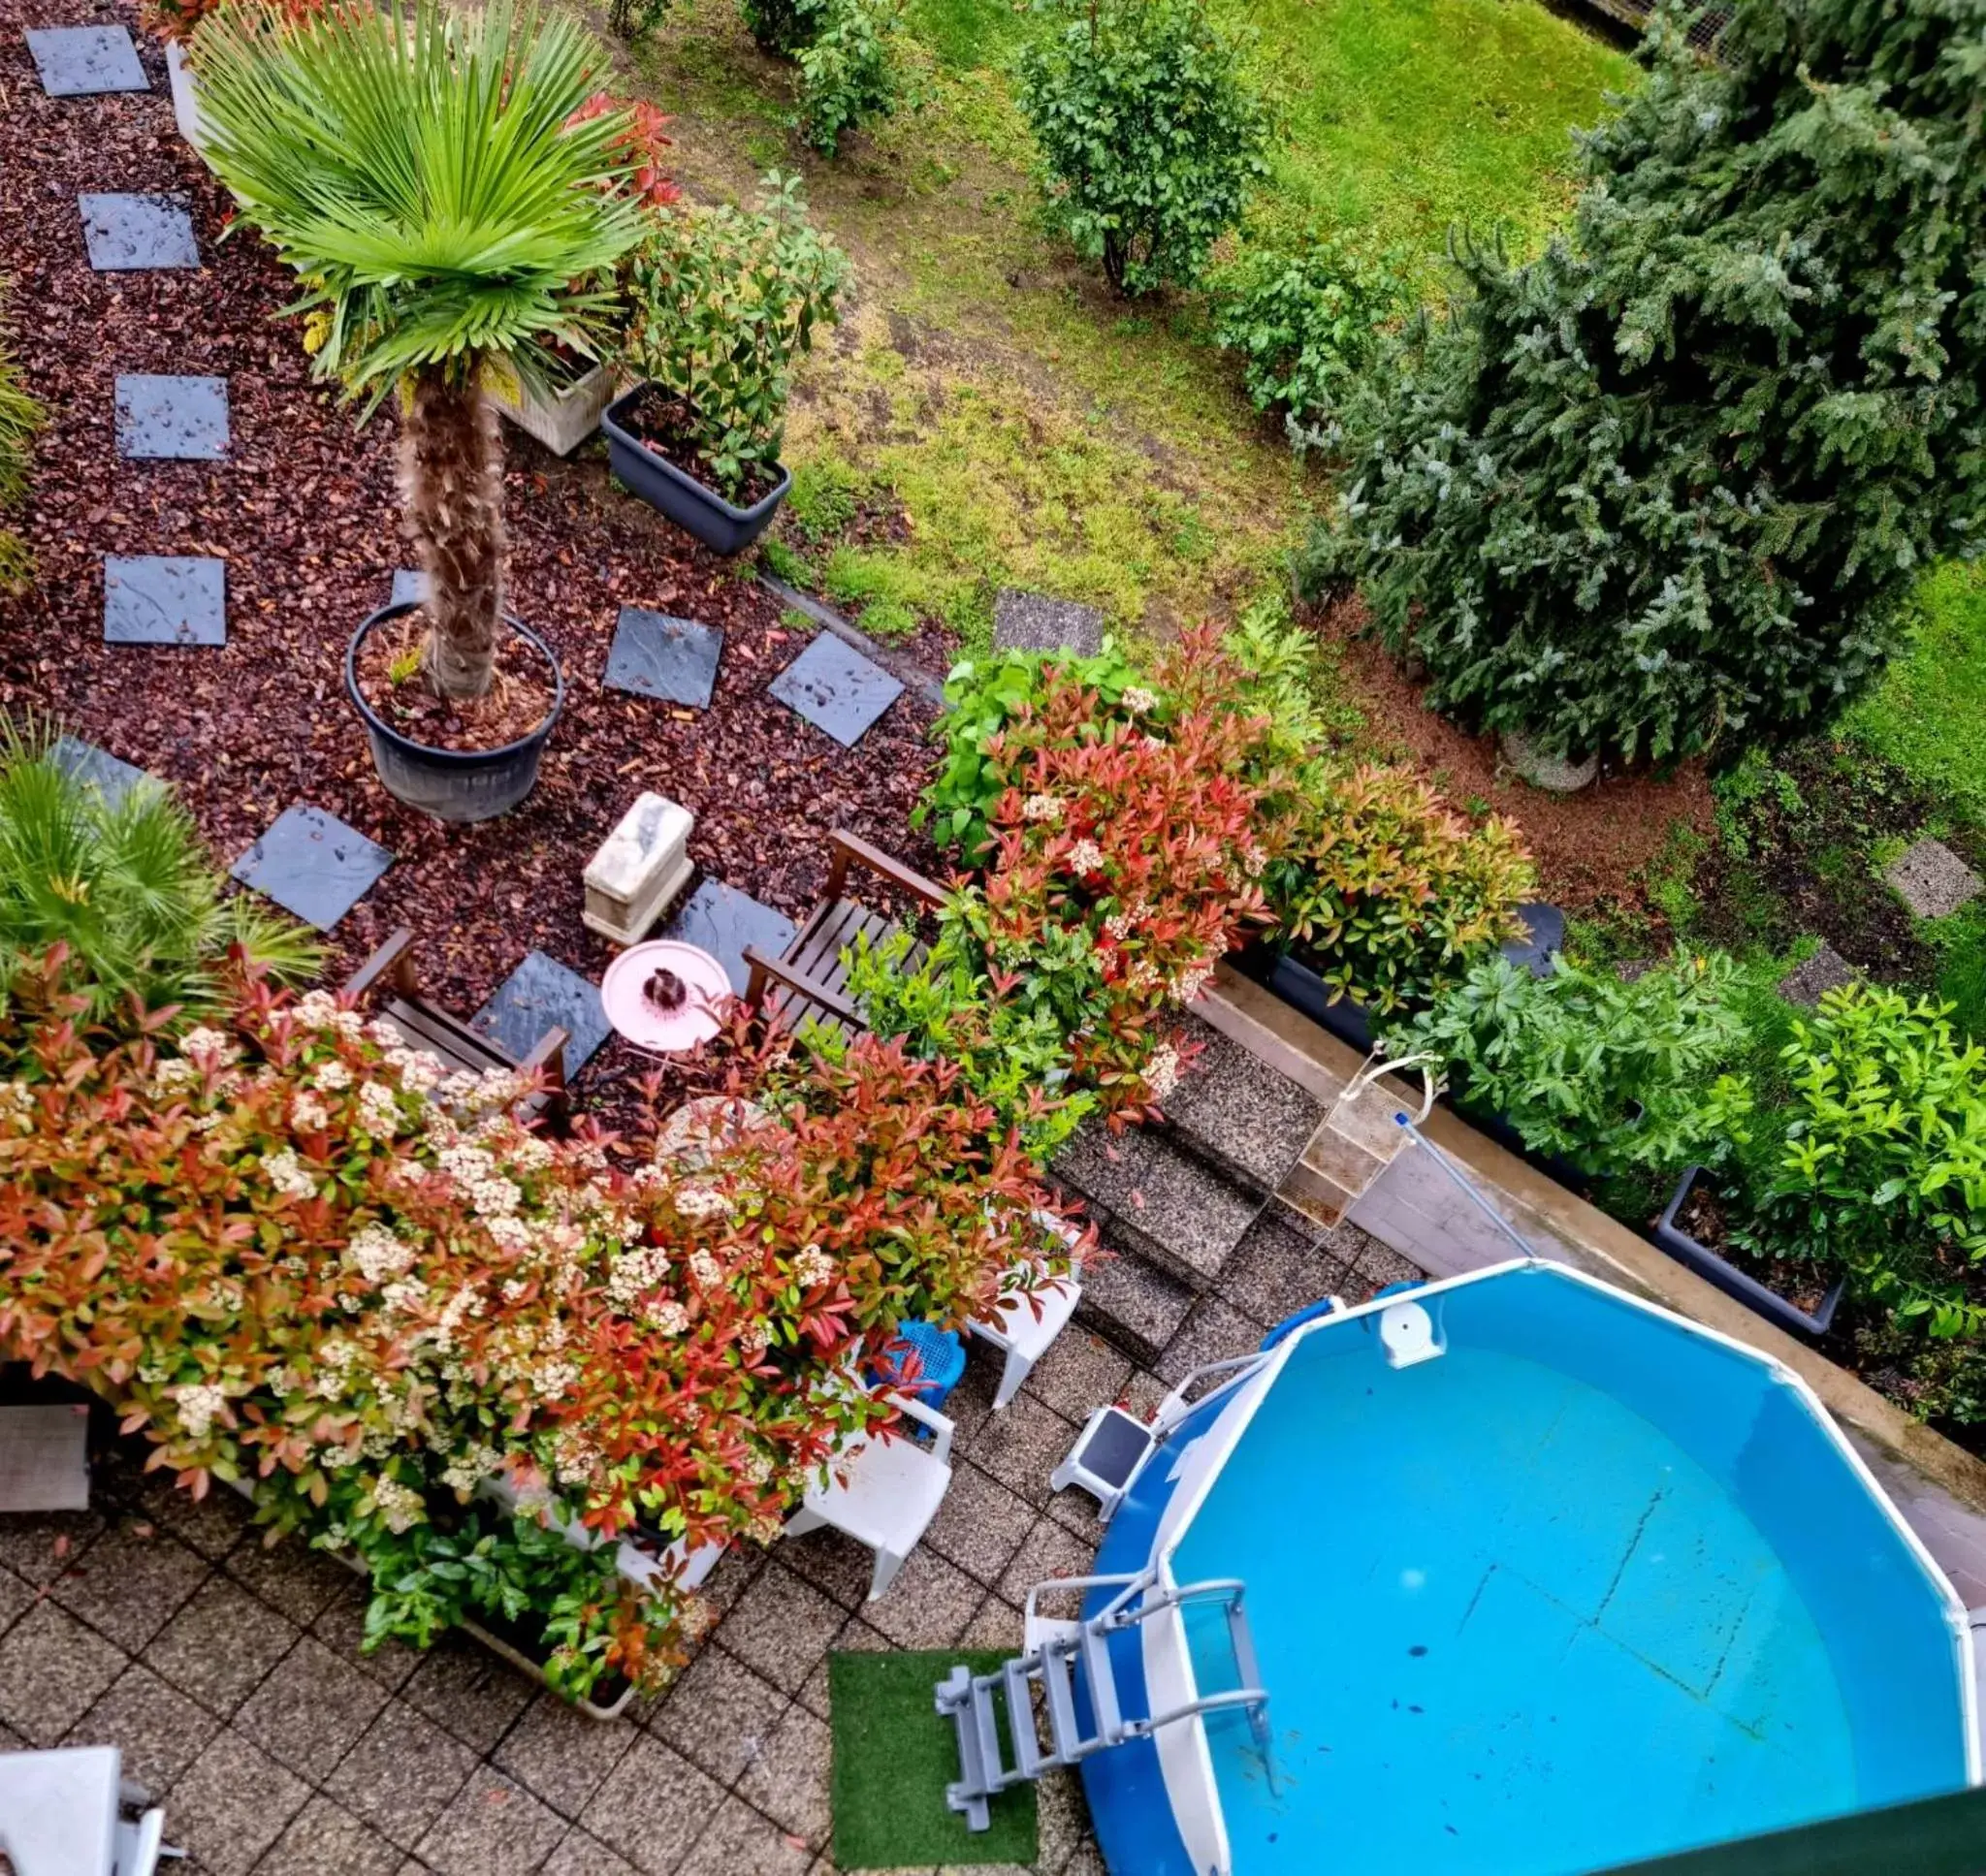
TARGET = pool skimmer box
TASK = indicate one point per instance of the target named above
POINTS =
(1408, 1335)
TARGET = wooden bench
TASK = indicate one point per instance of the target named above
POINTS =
(425, 1025)
(810, 974)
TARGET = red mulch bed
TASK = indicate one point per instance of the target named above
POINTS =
(305, 514)
(1595, 845)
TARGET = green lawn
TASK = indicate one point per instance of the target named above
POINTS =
(988, 414)
(1929, 715)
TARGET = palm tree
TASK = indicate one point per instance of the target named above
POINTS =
(426, 175)
(127, 886)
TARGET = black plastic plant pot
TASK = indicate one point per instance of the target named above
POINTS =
(453, 784)
(700, 510)
(1731, 1281)
(1305, 992)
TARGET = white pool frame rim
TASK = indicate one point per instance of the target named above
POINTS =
(1185, 1756)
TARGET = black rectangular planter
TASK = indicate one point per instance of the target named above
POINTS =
(1731, 1281)
(1305, 992)
(715, 521)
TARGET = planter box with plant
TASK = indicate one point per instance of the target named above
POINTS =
(174, 22)
(1874, 1165)
(1692, 1231)
(1595, 1078)
(342, 136)
(720, 304)
(562, 415)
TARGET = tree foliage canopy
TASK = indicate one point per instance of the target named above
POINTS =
(1673, 479)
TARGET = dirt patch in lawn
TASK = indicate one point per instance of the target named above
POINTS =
(1803, 841)
(1597, 845)
(304, 514)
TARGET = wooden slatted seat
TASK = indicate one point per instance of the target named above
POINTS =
(809, 977)
(425, 1025)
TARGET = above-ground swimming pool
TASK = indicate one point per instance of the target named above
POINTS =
(1587, 1585)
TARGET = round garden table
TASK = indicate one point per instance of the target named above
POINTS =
(665, 995)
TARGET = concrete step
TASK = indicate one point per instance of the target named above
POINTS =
(1130, 1302)
(1169, 1205)
(1238, 1113)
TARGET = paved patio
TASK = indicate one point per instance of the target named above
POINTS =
(229, 1673)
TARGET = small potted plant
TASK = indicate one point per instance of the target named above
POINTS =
(719, 301)
(346, 139)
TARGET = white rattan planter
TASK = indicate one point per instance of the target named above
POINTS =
(185, 99)
(565, 420)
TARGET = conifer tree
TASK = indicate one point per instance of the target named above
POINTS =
(1672, 481)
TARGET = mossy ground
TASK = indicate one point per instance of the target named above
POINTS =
(988, 414)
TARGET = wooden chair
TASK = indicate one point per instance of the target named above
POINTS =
(425, 1025)
(810, 973)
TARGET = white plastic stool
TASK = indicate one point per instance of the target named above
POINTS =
(1104, 1458)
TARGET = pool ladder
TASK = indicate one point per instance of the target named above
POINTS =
(1062, 1655)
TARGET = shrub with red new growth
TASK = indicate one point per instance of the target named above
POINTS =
(295, 1253)
(1147, 845)
(642, 143)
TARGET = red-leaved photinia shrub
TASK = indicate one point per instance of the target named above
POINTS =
(293, 1253)
(1146, 840)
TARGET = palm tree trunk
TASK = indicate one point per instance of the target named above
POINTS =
(452, 483)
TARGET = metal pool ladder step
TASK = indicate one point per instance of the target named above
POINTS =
(1070, 1662)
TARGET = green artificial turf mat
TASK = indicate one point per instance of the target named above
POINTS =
(894, 1754)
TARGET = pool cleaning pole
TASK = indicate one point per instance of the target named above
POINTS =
(1467, 1185)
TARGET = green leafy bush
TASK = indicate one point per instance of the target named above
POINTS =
(1304, 324)
(1012, 1047)
(982, 697)
(1880, 1164)
(850, 73)
(128, 890)
(1614, 1078)
(851, 70)
(1674, 482)
(635, 19)
(20, 420)
(1149, 133)
(1384, 891)
(720, 302)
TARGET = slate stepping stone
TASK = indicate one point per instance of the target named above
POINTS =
(722, 920)
(1032, 621)
(539, 993)
(410, 586)
(165, 599)
(1826, 970)
(125, 233)
(312, 865)
(185, 418)
(80, 61)
(1932, 880)
(655, 655)
(111, 776)
(1544, 938)
(835, 689)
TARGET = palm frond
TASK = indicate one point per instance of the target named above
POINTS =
(424, 172)
(126, 886)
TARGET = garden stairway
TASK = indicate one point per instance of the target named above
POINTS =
(1173, 1200)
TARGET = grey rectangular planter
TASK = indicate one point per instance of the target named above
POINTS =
(1735, 1283)
(721, 526)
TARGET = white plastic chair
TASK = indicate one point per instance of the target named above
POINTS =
(141, 1843)
(883, 1490)
(1017, 1328)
